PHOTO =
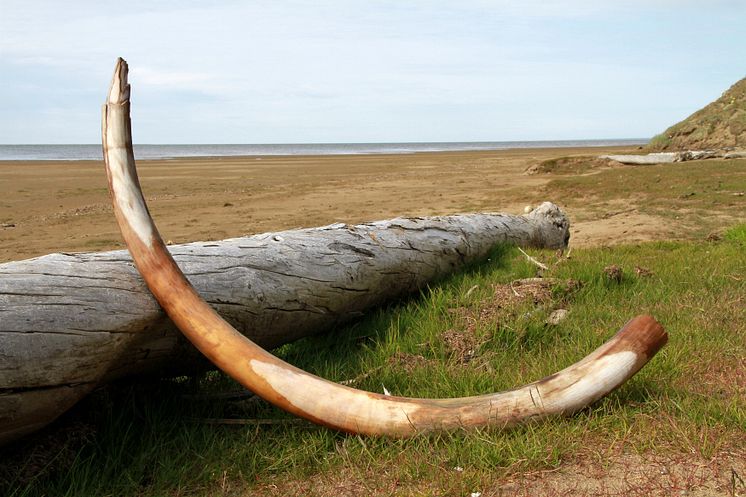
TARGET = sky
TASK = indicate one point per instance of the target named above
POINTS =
(366, 71)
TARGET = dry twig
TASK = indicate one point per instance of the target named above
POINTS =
(534, 261)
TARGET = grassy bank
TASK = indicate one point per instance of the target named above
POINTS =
(474, 333)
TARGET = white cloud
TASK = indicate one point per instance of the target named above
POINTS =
(378, 70)
(148, 76)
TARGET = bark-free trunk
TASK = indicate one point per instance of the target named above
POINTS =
(70, 322)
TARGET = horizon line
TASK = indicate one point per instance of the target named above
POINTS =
(351, 142)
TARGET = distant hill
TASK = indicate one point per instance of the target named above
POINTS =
(720, 124)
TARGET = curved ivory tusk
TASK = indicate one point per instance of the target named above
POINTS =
(317, 399)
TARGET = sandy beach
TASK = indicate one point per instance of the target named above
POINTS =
(63, 206)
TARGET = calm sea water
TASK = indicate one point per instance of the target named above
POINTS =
(93, 152)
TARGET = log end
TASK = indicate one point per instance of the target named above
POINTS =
(553, 226)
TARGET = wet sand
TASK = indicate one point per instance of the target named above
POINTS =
(63, 206)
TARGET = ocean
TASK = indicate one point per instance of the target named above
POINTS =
(93, 152)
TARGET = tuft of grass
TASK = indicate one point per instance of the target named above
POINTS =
(737, 233)
(660, 142)
(568, 165)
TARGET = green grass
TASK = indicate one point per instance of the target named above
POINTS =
(141, 439)
(695, 196)
(737, 234)
(576, 164)
(659, 142)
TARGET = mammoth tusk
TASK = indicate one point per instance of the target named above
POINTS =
(314, 398)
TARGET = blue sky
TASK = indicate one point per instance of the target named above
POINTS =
(366, 71)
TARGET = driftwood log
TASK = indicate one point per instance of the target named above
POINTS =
(643, 160)
(664, 157)
(71, 322)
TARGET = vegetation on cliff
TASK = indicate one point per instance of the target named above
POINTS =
(720, 124)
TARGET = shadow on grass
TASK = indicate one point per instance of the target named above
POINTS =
(346, 345)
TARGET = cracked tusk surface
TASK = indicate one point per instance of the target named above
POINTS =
(314, 398)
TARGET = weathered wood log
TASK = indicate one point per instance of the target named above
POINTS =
(643, 160)
(71, 322)
(664, 157)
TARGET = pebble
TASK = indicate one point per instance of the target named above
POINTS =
(557, 316)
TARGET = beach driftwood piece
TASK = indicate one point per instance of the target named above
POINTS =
(664, 157)
(71, 322)
(735, 154)
(648, 159)
(316, 399)
(688, 155)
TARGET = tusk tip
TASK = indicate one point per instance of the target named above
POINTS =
(119, 91)
(643, 334)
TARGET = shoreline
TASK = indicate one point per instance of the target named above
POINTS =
(64, 206)
(160, 152)
(290, 157)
